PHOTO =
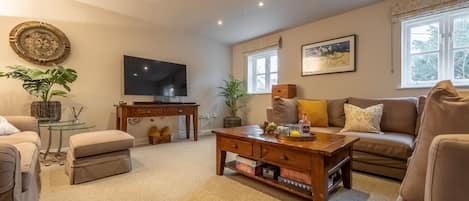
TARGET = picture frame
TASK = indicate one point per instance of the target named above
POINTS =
(336, 55)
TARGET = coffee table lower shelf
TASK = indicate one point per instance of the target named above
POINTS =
(232, 165)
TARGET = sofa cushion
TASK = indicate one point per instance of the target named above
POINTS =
(328, 130)
(399, 114)
(21, 137)
(6, 128)
(29, 157)
(315, 111)
(335, 112)
(421, 106)
(284, 111)
(394, 145)
(363, 119)
(99, 142)
(445, 112)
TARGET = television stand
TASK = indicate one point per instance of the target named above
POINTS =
(124, 112)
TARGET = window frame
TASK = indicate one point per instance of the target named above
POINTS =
(252, 70)
(445, 50)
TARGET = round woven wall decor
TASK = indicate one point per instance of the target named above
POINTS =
(39, 43)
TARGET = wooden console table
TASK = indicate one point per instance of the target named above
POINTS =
(129, 111)
(319, 158)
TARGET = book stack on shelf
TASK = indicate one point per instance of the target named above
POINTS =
(248, 166)
(295, 179)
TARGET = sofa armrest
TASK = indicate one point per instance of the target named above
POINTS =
(10, 174)
(447, 177)
(24, 123)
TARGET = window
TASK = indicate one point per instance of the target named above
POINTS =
(262, 71)
(436, 48)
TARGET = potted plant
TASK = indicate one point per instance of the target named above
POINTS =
(42, 84)
(233, 91)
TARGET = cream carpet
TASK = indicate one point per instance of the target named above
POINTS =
(185, 171)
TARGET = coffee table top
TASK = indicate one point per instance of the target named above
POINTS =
(327, 144)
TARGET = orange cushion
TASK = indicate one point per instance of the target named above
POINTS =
(316, 110)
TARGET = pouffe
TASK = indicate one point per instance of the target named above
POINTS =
(99, 154)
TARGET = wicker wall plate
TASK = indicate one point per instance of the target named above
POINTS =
(39, 43)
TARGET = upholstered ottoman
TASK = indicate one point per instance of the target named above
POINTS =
(96, 155)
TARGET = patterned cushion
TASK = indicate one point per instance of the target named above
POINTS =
(363, 120)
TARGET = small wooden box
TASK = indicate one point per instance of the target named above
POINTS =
(284, 90)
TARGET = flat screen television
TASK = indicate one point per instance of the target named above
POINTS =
(154, 78)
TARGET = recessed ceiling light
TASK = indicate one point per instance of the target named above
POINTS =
(145, 68)
(260, 4)
(220, 22)
(135, 75)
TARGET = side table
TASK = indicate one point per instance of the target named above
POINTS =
(60, 126)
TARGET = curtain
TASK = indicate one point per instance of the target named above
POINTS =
(408, 9)
(273, 41)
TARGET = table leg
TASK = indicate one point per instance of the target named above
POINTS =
(188, 126)
(195, 122)
(48, 144)
(347, 173)
(319, 177)
(60, 142)
(221, 159)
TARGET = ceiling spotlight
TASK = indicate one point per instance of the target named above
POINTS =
(220, 22)
(260, 4)
(135, 75)
(145, 68)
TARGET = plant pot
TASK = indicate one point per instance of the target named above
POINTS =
(46, 111)
(229, 122)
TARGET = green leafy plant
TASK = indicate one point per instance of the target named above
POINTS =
(233, 91)
(40, 83)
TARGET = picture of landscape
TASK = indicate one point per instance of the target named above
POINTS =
(332, 56)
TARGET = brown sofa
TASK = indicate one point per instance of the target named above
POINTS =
(383, 154)
(19, 161)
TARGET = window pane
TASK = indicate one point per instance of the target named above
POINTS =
(461, 32)
(424, 67)
(461, 64)
(260, 66)
(260, 83)
(273, 63)
(424, 38)
(273, 78)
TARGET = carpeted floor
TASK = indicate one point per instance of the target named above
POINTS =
(185, 171)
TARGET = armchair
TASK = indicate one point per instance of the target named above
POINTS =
(447, 173)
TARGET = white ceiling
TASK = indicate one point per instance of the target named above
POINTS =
(242, 19)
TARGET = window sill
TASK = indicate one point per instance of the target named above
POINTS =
(462, 87)
(260, 93)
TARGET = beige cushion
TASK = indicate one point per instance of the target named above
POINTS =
(421, 106)
(328, 130)
(29, 156)
(284, 111)
(363, 119)
(399, 114)
(21, 137)
(99, 142)
(394, 145)
(335, 112)
(446, 112)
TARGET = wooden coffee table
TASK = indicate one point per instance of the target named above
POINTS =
(320, 158)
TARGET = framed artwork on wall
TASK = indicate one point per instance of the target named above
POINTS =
(330, 56)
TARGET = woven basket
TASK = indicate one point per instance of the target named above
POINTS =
(46, 111)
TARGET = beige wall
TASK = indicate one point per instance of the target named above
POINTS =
(373, 77)
(97, 50)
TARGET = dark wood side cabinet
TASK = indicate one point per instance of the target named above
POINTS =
(152, 110)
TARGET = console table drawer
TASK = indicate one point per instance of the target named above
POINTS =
(287, 157)
(145, 112)
(178, 110)
(236, 146)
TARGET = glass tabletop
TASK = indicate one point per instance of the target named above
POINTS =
(66, 125)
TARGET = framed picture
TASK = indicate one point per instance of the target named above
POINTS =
(331, 56)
